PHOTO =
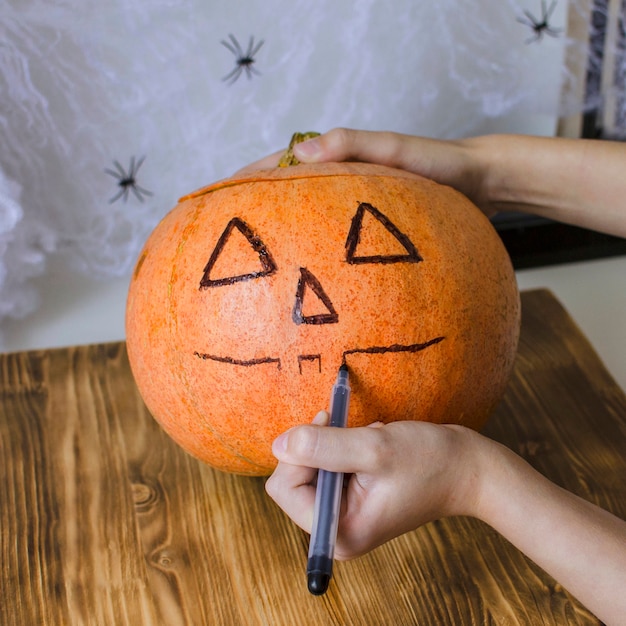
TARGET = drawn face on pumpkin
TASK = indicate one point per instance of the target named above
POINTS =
(252, 291)
(401, 250)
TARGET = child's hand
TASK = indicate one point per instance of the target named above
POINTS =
(460, 164)
(404, 474)
(574, 181)
(399, 476)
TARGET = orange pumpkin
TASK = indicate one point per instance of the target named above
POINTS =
(250, 294)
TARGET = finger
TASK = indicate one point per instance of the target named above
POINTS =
(432, 158)
(291, 487)
(376, 425)
(347, 450)
(278, 445)
(342, 144)
(321, 419)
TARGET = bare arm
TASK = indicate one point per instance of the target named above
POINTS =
(581, 545)
(405, 474)
(577, 181)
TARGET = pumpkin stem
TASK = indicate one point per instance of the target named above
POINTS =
(288, 157)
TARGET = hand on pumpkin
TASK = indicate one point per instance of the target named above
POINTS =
(576, 181)
(452, 163)
(399, 476)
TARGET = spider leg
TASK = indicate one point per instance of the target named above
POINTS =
(250, 46)
(114, 174)
(548, 13)
(121, 173)
(232, 77)
(137, 166)
(118, 195)
(250, 69)
(236, 44)
(528, 20)
(138, 191)
(234, 47)
(132, 170)
(252, 53)
(227, 45)
(143, 191)
(120, 168)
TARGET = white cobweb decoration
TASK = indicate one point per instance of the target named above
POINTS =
(85, 83)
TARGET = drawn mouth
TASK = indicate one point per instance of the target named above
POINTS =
(414, 347)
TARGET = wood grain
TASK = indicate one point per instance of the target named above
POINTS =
(105, 521)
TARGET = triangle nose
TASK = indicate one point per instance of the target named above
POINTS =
(309, 286)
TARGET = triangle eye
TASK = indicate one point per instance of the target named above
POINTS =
(308, 282)
(389, 246)
(238, 255)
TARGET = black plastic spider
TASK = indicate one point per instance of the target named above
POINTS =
(127, 181)
(243, 61)
(540, 27)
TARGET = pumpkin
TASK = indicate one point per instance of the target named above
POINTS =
(251, 292)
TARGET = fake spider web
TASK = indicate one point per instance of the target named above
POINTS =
(85, 84)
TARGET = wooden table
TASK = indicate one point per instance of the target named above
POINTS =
(103, 520)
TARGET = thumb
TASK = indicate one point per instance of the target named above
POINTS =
(344, 450)
(339, 144)
(344, 144)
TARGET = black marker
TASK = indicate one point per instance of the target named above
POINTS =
(328, 499)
